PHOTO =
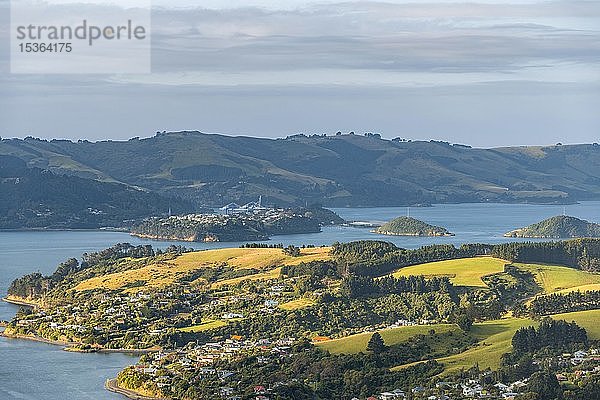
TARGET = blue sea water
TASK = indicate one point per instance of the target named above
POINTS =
(33, 371)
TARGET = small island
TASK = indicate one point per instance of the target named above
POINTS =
(407, 226)
(558, 227)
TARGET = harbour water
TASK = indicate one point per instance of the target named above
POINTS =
(33, 371)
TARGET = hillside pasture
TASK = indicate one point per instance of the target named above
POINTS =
(495, 340)
(159, 275)
(358, 343)
(553, 278)
(297, 304)
(586, 319)
(461, 272)
(204, 326)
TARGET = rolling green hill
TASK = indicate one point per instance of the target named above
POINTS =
(407, 226)
(558, 227)
(343, 170)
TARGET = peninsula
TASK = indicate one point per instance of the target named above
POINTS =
(260, 321)
(235, 224)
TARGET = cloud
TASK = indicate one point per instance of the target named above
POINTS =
(448, 68)
(386, 39)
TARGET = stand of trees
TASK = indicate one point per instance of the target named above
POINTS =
(357, 286)
(577, 253)
(376, 258)
(550, 333)
(318, 269)
(570, 302)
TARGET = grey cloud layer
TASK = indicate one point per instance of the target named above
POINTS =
(484, 74)
(388, 37)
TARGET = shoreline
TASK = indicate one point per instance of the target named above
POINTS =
(36, 338)
(112, 386)
(42, 229)
(410, 234)
(72, 346)
(17, 301)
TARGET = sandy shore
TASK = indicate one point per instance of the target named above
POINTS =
(112, 386)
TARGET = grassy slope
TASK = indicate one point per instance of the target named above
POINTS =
(586, 319)
(205, 326)
(357, 343)
(495, 340)
(462, 272)
(497, 335)
(554, 278)
(163, 274)
(297, 304)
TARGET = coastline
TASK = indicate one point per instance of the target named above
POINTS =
(18, 301)
(36, 338)
(42, 229)
(386, 233)
(113, 386)
(72, 346)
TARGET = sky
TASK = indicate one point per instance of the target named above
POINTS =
(484, 73)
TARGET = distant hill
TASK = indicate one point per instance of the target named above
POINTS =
(36, 198)
(407, 226)
(334, 171)
(558, 227)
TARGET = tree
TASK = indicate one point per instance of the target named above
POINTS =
(376, 344)
(464, 322)
(545, 385)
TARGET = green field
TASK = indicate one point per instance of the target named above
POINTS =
(205, 326)
(552, 278)
(297, 304)
(357, 343)
(159, 275)
(590, 320)
(495, 340)
(462, 272)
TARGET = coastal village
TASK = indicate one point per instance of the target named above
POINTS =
(160, 368)
(240, 331)
(233, 222)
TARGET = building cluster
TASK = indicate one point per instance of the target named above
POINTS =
(202, 362)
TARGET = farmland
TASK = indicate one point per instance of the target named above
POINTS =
(495, 340)
(586, 319)
(358, 343)
(161, 274)
(297, 304)
(462, 272)
(552, 278)
(204, 326)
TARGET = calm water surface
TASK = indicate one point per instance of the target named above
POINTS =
(35, 371)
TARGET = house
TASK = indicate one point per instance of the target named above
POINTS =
(501, 387)
(260, 390)
(271, 303)
(232, 315)
(472, 391)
